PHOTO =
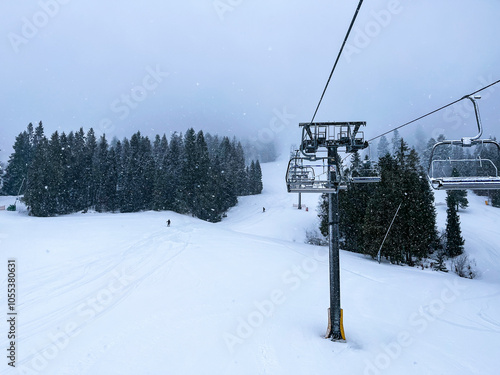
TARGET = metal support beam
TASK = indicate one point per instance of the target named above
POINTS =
(333, 234)
(300, 201)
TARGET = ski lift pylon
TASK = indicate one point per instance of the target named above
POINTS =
(485, 172)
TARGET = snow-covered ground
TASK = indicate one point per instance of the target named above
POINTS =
(124, 294)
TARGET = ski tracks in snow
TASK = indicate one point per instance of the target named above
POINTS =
(91, 291)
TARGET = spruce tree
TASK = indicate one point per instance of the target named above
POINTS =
(258, 178)
(147, 174)
(218, 190)
(77, 172)
(227, 169)
(454, 240)
(105, 177)
(173, 171)
(111, 182)
(323, 214)
(127, 177)
(90, 163)
(380, 211)
(239, 168)
(395, 141)
(353, 205)
(457, 197)
(160, 190)
(383, 147)
(17, 169)
(426, 154)
(56, 201)
(188, 175)
(414, 231)
(118, 165)
(37, 195)
(251, 179)
(203, 198)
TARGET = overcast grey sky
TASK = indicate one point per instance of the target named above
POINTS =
(249, 68)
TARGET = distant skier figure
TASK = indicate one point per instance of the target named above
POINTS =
(168, 222)
(263, 209)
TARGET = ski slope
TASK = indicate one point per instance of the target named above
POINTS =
(124, 294)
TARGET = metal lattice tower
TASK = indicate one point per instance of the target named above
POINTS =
(317, 139)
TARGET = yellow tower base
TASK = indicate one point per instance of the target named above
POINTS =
(329, 329)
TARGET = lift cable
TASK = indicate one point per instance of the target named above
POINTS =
(337, 60)
(428, 114)
(436, 110)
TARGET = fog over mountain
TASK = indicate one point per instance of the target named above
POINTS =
(254, 69)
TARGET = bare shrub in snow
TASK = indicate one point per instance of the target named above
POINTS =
(314, 237)
(464, 267)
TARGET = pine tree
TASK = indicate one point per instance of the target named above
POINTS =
(441, 257)
(383, 147)
(173, 171)
(38, 135)
(353, 205)
(225, 156)
(323, 214)
(37, 196)
(111, 182)
(495, 198)
(17, 169)
(56, 201)
(426, 154)
(188, 175)
(395, 141)
(138, 174)
(420, 219)
(147, 174)
(77, 172)
(218, 190)
(161, 177)
(380, 211)
(251, 179)
(120, 173)
(458, 198)
(105, 177)
(127, 177)
(89, 169)
(454, 240)
(258, 186)
(203, 198)
(414, 231)
(239, 168)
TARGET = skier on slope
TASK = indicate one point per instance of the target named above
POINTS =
(168, 222)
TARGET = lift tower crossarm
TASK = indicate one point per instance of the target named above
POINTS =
(313, 139)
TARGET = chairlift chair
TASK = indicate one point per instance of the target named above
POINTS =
(485, 172)
(302, 177)
(369, 175)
